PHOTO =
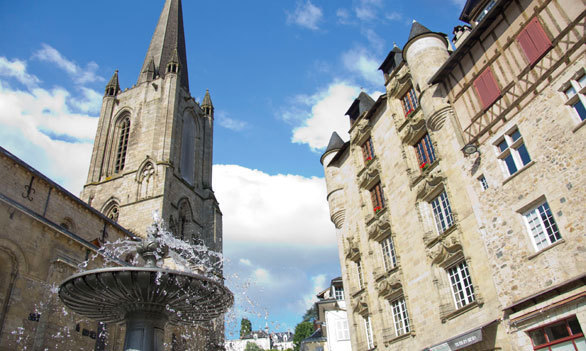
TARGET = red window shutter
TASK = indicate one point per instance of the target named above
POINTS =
(487, 88)
(533, 40)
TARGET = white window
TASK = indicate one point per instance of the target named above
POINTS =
(368, 331)
(542, 227)
(389, 257)
(339, 292)
(483, 182)
(342, 332)
(400, 317)
(359, 274)
(442, 212)
(512, 151)
(461, 283)
(574, 91)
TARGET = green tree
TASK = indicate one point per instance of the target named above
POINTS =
(250, 346)
(303, 330)
(310, 315)
(245, 327)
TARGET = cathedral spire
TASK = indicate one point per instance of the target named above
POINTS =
(113, 87)
(207, 104)
(168, 37)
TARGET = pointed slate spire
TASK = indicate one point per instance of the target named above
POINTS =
(417, 29)
(149, 72)
(207, 105)
(335, 143)
(207, 100)
(113, 87)
(168, 43)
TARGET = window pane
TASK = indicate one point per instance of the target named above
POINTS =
(579, 107)
(511, 164)
(565, 346)
(524, 154)
(516, 135)
(570, 92)
(538, 337)
(557, 331)
(575, 326)
(503, 146)
(582, 81)
(549, 223)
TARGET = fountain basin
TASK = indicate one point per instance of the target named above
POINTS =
(110, 294)
(146, 298)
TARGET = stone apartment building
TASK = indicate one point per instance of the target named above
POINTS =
(152, 152)
(459, 199)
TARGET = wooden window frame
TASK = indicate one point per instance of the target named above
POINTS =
(512, 155)
(401, 320)
(425, 152)
(377, 197)
(461, 284)
(547, 346)
(409, 101)
(442, 212)
(547, 230)
(533, 41)
(367, 151)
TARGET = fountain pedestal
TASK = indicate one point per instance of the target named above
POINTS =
(145, 331)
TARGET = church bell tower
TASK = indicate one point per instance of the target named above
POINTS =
(153, 145)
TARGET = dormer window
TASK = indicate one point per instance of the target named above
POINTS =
(485, 11)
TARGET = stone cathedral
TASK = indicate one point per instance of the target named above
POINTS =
(152, 152)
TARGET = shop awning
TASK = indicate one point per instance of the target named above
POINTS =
(461, 341)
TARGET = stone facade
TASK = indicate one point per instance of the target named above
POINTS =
(448, 237)
(152, 152)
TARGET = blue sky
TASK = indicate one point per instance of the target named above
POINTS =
(281, 74)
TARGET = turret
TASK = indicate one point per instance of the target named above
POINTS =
(207, 105)
(425, 52)
(113, 87)
(334, 184)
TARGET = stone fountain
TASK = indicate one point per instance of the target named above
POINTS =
(146, 298)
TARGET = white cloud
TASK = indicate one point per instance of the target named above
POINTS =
(17, 69)
(306, 15)
(79, 75)
(327, 109)
(264, 208)
(230, 123)
(245, 262)
(41, 119)
(361, 62)
(90, 103)
(343, 16)
(319, 284)
(368, 9)
(395, 16)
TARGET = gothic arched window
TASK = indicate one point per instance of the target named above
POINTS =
(112, 211)
(123, 133)
(187, 164)
(146, 181)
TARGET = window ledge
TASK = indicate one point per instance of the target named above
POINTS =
(531, 163)
(387, 273)
(559, 242)
(356, 293)
(472, 305)
(399, 338)
(425, 172)
(578, 126)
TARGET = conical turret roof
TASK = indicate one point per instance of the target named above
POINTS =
(168, 37)
(335, 143)
(417, 29)
(113, 83)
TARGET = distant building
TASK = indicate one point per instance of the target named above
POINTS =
(263, 339)
(332, 333)
(459, 199)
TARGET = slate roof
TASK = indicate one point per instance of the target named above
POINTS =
(361, 104)
(467, 10)
(114, 82)
(417, 29)
(317, 336)
(168, 37)
(393, 59)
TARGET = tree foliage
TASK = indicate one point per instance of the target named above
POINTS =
(245, 327)
(250, 346)
(310, 315)
(303, 330)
